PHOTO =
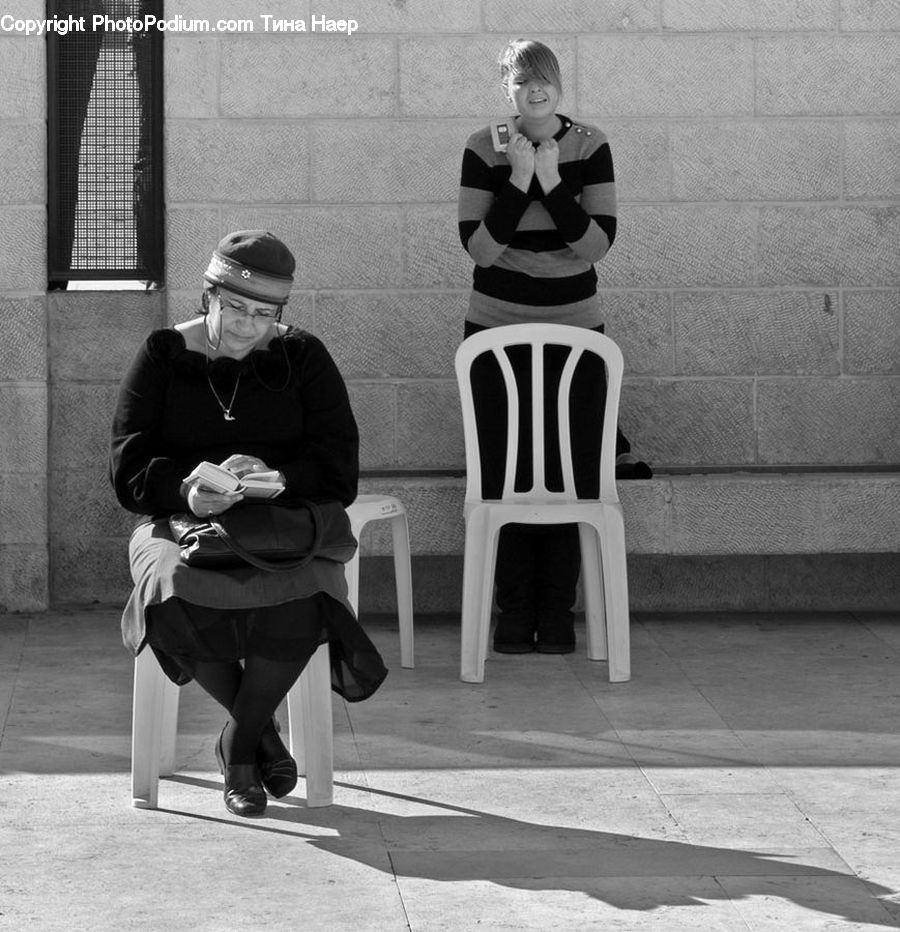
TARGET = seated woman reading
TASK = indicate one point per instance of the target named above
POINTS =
(236, 387)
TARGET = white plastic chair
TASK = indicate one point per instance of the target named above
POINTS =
(155, 717)
(368, 508)
(600, 522)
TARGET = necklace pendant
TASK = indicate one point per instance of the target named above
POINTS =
(228, 416)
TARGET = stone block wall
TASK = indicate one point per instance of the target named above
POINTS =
(754, 285)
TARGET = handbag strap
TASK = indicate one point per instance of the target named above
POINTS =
(254, 559)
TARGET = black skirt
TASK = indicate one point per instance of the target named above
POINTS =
(189, 615)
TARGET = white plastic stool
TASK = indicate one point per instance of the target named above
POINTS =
(368, 508)
(155, 719)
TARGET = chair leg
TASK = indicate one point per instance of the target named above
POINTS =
(168, 727)
(311, 728)
(148, 710)
(479, 564)
(403, 577)
(351, 574)
(592, 584)
(615, 587)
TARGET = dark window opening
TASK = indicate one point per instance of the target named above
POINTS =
(105, 181)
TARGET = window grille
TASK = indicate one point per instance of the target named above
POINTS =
(105, 193)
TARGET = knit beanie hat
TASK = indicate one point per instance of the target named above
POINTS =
(254, 264)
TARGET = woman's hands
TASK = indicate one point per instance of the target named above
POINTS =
(520, 153)
(546, 165)
(204, 502)
(241, 464)
(527, 161)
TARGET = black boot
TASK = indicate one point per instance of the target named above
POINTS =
(244, 795)
(276, 766)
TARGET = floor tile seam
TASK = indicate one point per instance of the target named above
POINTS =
(16, 671)
(861, 620)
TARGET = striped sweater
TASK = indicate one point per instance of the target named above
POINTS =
(534, 253)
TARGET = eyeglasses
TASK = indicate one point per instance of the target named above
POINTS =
(239, 311)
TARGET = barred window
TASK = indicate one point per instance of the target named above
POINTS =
(105, 184)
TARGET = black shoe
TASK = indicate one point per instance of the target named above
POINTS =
(276, 766)
(514, 634)
(244, 796)
(556, 634)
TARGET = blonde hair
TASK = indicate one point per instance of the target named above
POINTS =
(530, 57)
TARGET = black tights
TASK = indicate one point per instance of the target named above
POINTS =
(251, 693)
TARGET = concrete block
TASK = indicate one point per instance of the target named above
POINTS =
(869, 15)
(727, 514)
(756, 333)
(872, 332)
(437, 584)
(690, 422)
(83, 505)
(663, 583)
(81, 323)
(665, 76)
(81, 416)
(23, 245)
(23, 157)
(640, 152)
(828, 421)
(312, 72)
(856, 582)
(641, 324)
(90, 572)
(23, 322)
(665, 247)
(336, 247)
(871, 159)
(434, 512)
(829, 245)
(191, 75)
(400, 335)
(645, 505)
(861, 514)
(808, 75)
(576, 16)
(24, 577)
(411, 16)
(23, 502)
(426, 62)
(237, 161)
(746, 15)
(23, 426)
(401, 163)
(749, 161)
(375, 408)
(23, 84)
(421, 406)
(433, 253)
(191, 236)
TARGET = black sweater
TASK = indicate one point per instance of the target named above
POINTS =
(290, 409)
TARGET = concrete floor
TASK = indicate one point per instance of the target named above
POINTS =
(748, 777)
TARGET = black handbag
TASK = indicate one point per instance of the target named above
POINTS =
(270, 537)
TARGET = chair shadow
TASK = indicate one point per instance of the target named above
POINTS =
(463, 844)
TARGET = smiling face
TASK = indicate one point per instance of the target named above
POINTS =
(240, 324)
(534, 98)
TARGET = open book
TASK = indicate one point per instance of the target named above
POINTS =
(253, 485)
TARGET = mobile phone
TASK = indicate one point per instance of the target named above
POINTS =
(500, 134)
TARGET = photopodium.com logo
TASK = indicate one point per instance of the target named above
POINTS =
(62, 25)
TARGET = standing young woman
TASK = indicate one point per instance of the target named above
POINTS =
(535, 219)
